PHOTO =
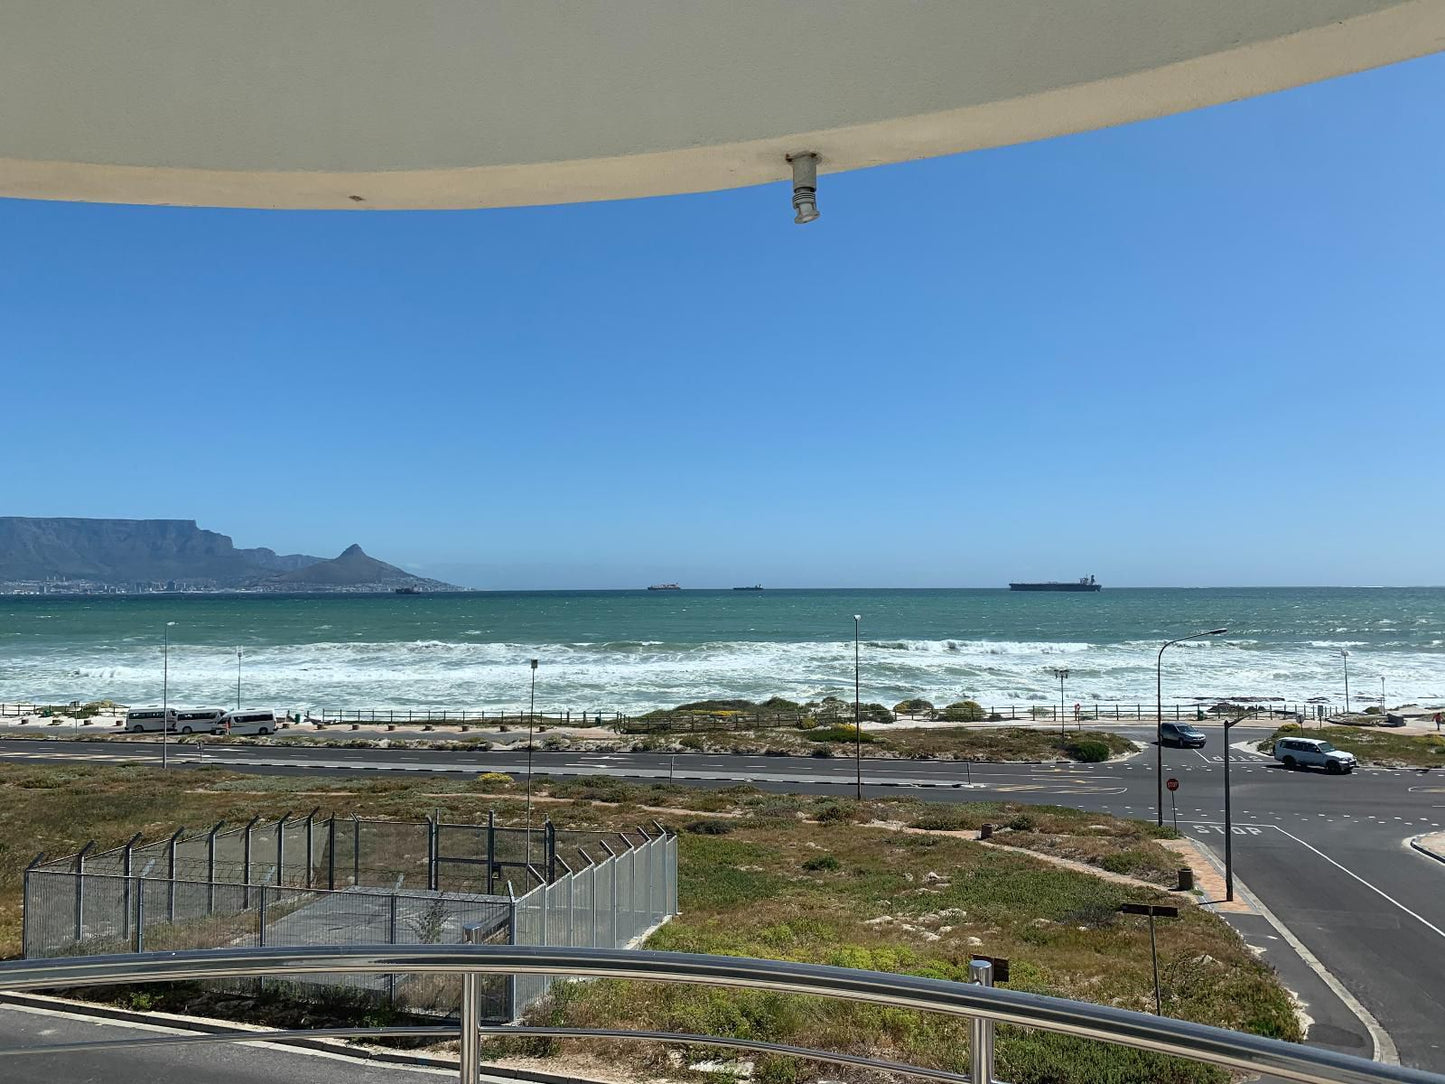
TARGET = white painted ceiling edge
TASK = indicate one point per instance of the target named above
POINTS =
(1380, 36)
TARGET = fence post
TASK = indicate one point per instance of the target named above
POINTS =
(391, 940)
(331, 853)
(140, 914)
(281, 848)
(171, 873)
(310, 844)
(211, 867)
(431, 852)
(261, 939)
(80, 891)
(512, 1008)
(491, 849)
(125, 872)
(980, 1047)
(246, 859)
(550, 835)
(571, 909)
(355, 851)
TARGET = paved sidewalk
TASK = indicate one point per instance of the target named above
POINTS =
(1208, 877)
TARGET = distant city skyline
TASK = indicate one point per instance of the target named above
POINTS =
(1197, 351)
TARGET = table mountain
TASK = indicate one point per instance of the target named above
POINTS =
(123, 552)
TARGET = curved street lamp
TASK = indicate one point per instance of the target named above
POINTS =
(857, 715)
(1159, 719)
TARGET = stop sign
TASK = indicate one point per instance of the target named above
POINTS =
(1172, 784)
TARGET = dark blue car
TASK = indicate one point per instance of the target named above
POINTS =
(1182, 735)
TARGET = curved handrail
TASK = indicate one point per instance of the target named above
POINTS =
(1197, 1042)
(445, 1033)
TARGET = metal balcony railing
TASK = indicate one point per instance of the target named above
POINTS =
(984, 1004)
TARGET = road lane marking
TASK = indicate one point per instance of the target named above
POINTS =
(1378, 891)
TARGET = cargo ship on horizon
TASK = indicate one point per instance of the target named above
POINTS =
(1083, 583)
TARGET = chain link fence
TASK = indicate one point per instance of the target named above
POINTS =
(308, 881)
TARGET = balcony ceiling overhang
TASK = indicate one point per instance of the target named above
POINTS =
(470, 103)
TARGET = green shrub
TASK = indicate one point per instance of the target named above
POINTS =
(1374, 709)
(963, 711)
(839, 732)
(1022, 822)
(778, 703)
(709, 828)
(916, 706)
(840, 813)
(822, 862)
(1088, 751)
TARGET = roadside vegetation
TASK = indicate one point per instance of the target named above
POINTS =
(893, 885)
(811, 738)
(1385, 747)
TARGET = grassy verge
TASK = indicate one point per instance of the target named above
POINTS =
(785, 876)
(1372, 745)
(1129, 847)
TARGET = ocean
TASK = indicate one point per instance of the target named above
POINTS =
(636, 650)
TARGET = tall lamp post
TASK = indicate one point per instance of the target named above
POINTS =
(1346, 656)
(165, 691)
(1159, 718)
(238, 679)
(1061, 672)
(857, 712)
(1229, 724)
(531, 714)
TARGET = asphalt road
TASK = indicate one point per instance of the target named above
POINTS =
(224, 1063)
(1327, 854)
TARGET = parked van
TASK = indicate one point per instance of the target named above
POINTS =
(199, 721)
(242, 723)
(143, 719)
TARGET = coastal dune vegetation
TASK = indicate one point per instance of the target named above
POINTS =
(893, 885)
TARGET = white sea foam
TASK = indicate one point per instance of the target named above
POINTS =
(641, 674)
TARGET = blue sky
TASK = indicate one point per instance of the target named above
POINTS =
(1203, 350)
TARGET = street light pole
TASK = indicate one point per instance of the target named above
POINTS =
(531, 714)
(1159, 719)
(1229, 724)
(1061, 673)
(165, 692)
(857, 714)
(238, 679)
(1346, 656)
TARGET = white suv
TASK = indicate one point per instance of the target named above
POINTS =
(1313, 753)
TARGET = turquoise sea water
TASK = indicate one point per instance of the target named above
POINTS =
(625, 650)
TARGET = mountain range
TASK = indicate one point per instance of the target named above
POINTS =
(127, 552)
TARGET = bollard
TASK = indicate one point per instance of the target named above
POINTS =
(985, 831)
(980, 1045)
(1186, 879)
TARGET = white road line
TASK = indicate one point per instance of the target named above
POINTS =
(1378, 891)
(1385, 1050)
